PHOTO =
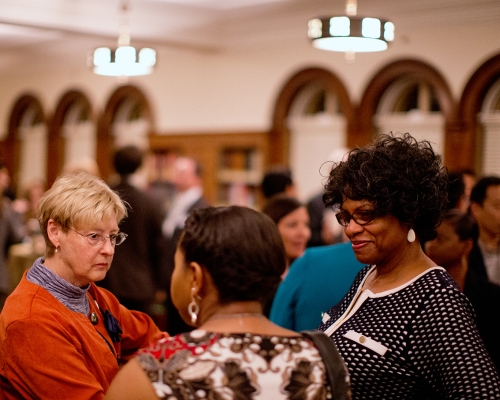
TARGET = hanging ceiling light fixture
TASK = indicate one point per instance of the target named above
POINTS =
(124, 60)
(350, 33)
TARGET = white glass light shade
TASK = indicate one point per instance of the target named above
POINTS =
(389, 31)
(123, 61)
(147, 56)
(350, 33)
(102, 56)
(125, 55)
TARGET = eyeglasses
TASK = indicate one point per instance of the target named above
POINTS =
(95, 238)
(362, 217)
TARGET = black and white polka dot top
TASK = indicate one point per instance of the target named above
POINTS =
(418, 341)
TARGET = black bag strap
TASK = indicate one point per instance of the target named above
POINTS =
(336, 370)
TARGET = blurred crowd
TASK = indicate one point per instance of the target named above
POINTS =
(385, 250)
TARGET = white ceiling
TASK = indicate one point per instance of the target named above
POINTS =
(208, 25)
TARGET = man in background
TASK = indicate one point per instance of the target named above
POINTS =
(461, 183)
(485, 208)
(277, 180)
(188, 196)
(325, 229)
(135, 273)
(11, 232)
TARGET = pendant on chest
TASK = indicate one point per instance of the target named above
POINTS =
(93, 318)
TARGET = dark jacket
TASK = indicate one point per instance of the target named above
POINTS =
(135, 272)
(485, 298)
(476, 263)
(175, 324)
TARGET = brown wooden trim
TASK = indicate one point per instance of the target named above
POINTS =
(12, 144)
(205, 148)
(56, 144)
(279, 136)
(105, 141)
(470, 104)
(417, 70)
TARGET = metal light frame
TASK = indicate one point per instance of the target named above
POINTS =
(350, 33)
(125, 60)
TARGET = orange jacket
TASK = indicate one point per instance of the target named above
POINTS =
(50, 352)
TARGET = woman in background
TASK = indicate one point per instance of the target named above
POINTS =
(61, 336)
(404, 329)
(292, 219)
(227, 264)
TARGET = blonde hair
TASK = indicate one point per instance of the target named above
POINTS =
(77, 198)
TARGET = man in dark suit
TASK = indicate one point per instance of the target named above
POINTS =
(188, 196)
(135, 272)
(456, 236)
(485, 208)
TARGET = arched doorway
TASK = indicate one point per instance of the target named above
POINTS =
(479, 109)
(313, 115)
(72, 133)
(26, 143)
(127, 119)
(407, 96)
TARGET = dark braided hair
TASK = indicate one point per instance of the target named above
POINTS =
(240, 248)
(399, 176)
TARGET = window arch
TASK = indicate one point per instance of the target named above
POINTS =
(127, 119)
(407, 95)
(307, 78)
(480, 123)
(72, 132)
(26, 141)
(313, 115)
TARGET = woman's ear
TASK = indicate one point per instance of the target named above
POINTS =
(202, 281)
(53, 232)
(197, 278)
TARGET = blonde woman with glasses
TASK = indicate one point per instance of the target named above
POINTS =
(61, 336)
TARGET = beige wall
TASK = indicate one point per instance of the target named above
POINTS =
(201, 92)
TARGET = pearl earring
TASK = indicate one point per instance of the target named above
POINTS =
(411, 236)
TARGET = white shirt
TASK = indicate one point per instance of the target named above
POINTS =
(178, 211)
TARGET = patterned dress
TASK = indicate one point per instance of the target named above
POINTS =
(204, 365)
(418, 341)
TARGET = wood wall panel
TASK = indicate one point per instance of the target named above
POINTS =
(206, 149)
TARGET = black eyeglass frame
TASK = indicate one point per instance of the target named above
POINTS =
(370, 215)
(115, 240)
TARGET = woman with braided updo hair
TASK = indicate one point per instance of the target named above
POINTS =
(404, 329)
(227, 264)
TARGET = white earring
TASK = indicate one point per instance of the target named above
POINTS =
(411, 236)
(57, 249)
(193, 309)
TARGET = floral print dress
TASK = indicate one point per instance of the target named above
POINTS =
(204, 365)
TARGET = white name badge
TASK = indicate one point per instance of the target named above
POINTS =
(366, 341)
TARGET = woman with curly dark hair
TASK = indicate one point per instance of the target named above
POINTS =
(228, 263)
(404, 328)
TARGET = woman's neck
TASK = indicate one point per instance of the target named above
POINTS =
(458, 272)
(228, 310)
(398, 271)
(240, 317)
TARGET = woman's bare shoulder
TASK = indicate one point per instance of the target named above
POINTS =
(131, 383)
